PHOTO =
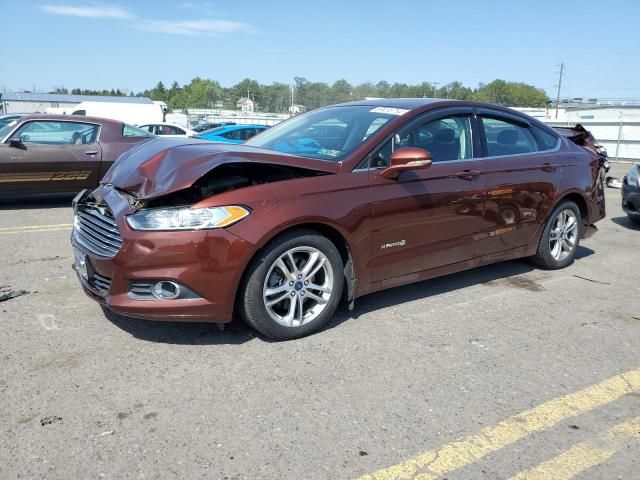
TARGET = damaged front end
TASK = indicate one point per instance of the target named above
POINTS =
(152, 241)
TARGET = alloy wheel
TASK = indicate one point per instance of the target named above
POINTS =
(298, 286)
(563, 234)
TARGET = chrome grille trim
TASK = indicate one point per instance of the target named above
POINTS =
(96, 232)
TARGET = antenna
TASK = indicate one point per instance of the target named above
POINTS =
(559, 86)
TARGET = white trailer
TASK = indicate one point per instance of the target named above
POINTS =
(133, 113)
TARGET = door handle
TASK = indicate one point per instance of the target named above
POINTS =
(468, 174)
(91, 152)
(548, 167)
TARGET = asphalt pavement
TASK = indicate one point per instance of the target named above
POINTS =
(499, 372)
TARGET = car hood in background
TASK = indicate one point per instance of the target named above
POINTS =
(163, 166)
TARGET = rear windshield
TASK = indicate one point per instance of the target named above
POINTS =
(131, 131)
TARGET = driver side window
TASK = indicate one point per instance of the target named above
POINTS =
(446, 138)
(57, 133)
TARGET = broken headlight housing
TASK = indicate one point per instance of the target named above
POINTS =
(186, 218)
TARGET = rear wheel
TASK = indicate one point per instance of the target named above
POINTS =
(560, 238)
(293, 286)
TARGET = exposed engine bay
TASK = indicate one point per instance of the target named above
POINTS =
(232, 176)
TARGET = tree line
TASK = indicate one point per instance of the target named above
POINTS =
(276, 97)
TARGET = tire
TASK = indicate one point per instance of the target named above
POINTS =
(272, 278)
(554, 253)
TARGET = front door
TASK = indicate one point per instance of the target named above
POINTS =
(53, 156)
(428, 218)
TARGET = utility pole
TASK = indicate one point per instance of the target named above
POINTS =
(291, 107)
(559, 86)
(435, 89)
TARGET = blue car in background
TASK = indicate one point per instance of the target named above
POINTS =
(231, 133)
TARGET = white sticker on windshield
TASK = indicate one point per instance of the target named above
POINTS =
(389, 110)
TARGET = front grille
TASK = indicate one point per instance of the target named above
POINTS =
(100, 283)
(97, 232)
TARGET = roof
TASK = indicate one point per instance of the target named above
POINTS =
(408, 103)
(69, 118)
(63, 98)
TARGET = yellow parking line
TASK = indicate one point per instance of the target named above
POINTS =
(451, 456)
(584, 455)
(35, 228)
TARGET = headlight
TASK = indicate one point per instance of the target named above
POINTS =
(632, 177)
(185, 218)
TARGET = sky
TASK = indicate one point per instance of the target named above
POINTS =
(133, 45)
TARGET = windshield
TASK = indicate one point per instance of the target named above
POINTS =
(7, 127)
(328, 133)
(9, 120)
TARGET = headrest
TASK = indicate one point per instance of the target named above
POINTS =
(508, 137)
(445, 135)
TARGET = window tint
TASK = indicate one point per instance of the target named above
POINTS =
(446, 138)
(57, 133)
(546, 140)
(131, 131)
(507, 138)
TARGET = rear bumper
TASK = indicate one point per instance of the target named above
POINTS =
(631, 200)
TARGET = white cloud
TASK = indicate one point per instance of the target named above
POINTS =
(178, 27)
(92, 10)
(195, 27)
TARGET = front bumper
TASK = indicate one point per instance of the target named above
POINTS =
(631, 199)
(207, 262)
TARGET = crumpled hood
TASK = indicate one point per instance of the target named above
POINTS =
(163, 166)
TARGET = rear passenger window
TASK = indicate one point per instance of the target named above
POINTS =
(507, 138)
(546, 140)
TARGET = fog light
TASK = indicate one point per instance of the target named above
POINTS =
(166, 290)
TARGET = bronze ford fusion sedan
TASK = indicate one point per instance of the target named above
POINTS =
(328, 206)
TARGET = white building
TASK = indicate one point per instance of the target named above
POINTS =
(245, 104)
(26, 102)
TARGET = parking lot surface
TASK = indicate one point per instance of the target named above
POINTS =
(499, 372)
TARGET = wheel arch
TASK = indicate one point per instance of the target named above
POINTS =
(578, 198)
(333, 234)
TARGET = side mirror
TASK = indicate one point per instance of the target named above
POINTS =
(17, 143)
(407, 158)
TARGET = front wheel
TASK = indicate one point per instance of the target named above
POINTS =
(293, 286)
(560, 238)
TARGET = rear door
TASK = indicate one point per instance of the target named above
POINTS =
(521, 177)
(53, 156)
(428, 218)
